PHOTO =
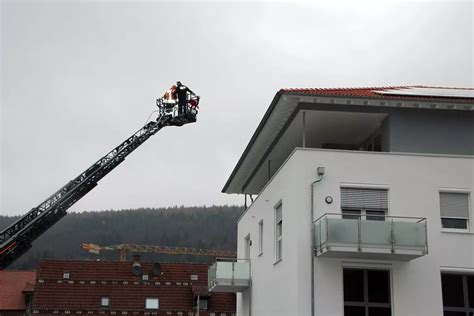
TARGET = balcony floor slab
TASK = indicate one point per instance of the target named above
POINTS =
(370, 253)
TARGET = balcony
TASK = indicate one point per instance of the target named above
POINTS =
(229, 275)
(385, 238)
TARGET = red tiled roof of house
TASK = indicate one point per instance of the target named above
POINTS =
(12, 286)
(91, 280)
(375, 92)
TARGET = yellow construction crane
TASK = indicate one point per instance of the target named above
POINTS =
(124, 248)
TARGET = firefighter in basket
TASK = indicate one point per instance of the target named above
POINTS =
(179, 98)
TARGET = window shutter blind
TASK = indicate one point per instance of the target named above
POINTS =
(454, 204)
(354, 198)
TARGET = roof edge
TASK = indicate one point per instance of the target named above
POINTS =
(377, 93)
(275, 100)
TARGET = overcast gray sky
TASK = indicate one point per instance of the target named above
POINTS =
(80, 77)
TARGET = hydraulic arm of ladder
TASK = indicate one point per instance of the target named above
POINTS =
(16, 239)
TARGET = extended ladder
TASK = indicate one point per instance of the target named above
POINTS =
(16, 239)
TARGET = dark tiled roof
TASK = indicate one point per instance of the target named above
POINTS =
(13, 284)
(371, 92)
(91, 280)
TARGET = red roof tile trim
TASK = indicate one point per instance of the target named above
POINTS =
(370, 92)
(91, 280)
(13, 284)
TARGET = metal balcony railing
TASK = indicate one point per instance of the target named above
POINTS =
(371, 236)
(229, 275)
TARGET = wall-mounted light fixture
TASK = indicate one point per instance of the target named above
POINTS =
(320, 171)
(328, 199)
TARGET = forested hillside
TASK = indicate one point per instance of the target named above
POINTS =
(213, 227)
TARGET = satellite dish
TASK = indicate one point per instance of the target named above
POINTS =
(156, 268)
(137, 269)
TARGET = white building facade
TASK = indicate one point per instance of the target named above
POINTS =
(363, 205)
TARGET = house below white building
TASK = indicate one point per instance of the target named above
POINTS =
(361, 204)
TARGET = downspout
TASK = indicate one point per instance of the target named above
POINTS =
(198, 307)
(320, 171)
(250, 298)
(250, 287)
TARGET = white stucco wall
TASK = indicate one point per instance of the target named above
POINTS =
(414, 182)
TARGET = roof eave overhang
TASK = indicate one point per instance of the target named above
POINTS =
(252, 140)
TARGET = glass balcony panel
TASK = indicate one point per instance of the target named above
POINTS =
(376, 233)
(241, 270)
(229, 276)
(344, 231)
(317, 234)
(224, 270)
(324, 233)
(409, 234)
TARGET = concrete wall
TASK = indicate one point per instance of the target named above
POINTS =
(431, 131)
(413, 181)
(272, 281)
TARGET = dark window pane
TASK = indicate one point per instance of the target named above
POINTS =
(452, 290)
(353, 285)
(378, 286)
(454, 314)
(347, 212)
(354, 311)
(378, 143)
(375, 218)
(454, 223)
(380, 311)
(470, 290)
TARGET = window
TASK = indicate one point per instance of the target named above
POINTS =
(369, 204)
(374, 143)
(145, 277)
(458, 294)
(203, 303)
(260, 237)
(152, 303)
(104, 301)
(454, 210)
(278, 232)
(366, 292)
(66, 275)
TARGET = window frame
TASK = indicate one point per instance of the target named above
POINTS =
(363, 214)
(469, 208)
(102, 298)
(366, 304)
(152, 298)
(260, 237)
(278, 232)
(201, 299)
(466, 309)
(364, 210)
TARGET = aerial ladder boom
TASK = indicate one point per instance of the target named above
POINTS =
(16, 239)
(124, 248)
